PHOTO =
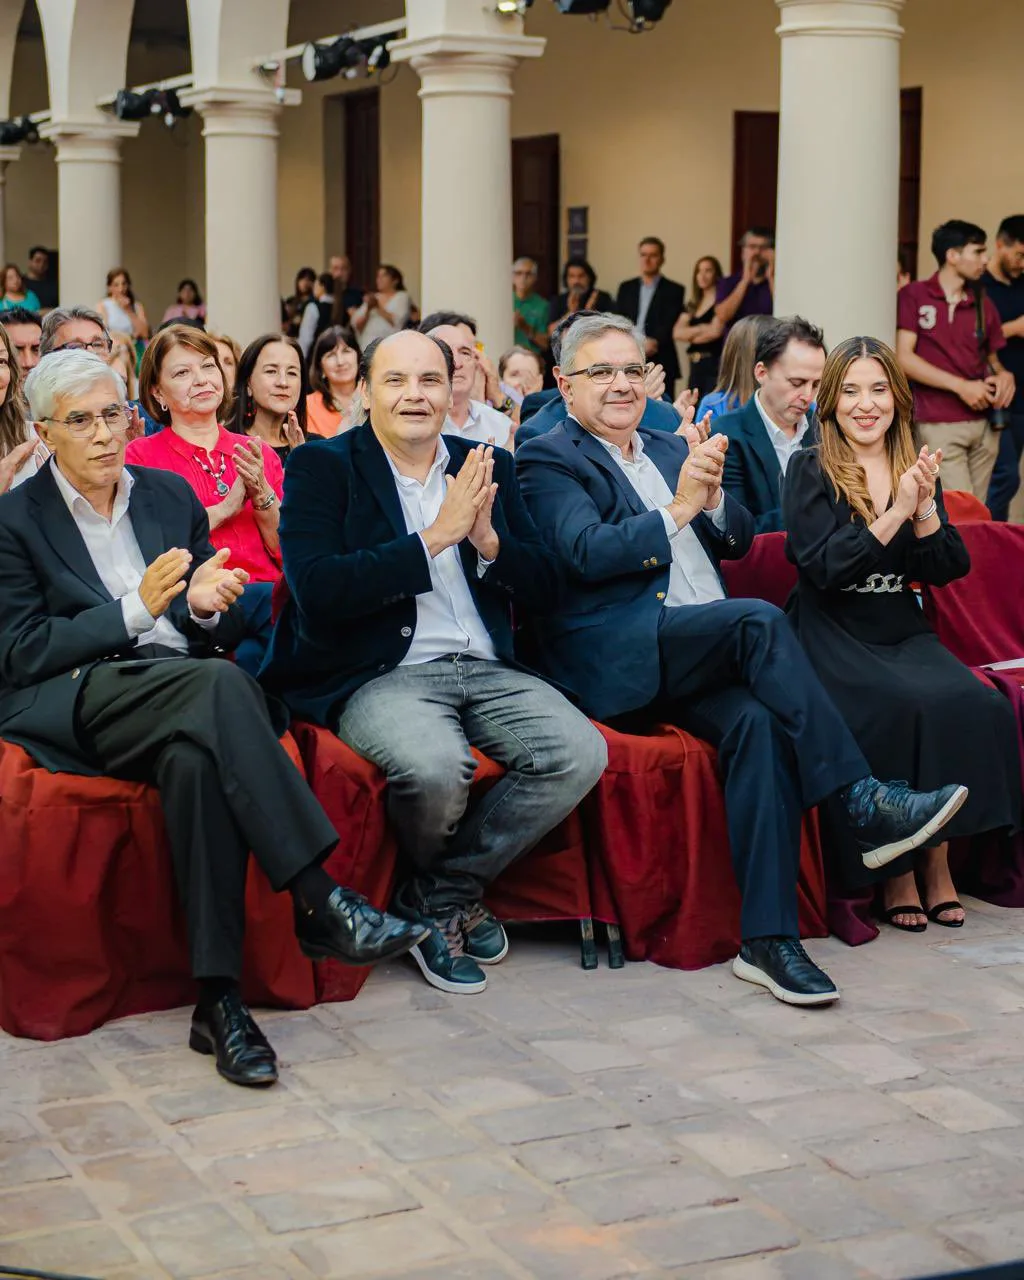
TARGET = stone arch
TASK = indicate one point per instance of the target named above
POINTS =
(86, 54)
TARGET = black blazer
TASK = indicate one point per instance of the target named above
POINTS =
(665, 309)
(354, 572)
(57, 620)
(602, 645)
(753, 475)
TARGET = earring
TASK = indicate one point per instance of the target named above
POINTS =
(250, 408)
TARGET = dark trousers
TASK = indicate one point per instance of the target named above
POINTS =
(256, 605)
(200, 732)
(1005, 480)
(737, 677)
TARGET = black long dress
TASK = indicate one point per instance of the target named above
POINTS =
(915, 710)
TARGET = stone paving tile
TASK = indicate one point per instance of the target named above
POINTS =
(280, 1169)
(904, 1256)
(197, 1240)
(909, 1145)
(91, 1128)
(141, 1182)
(354, 1085)
(55, 1204)
(22, 1162)
(377, 1247)
(808, 1197)
(957, 1109)
(96, 1249)
(587, 1054)
(708, 1235)
(213, 1100)
(497, 1093)
(821, 1115)
(561, 1159)
(647, 1193)
(484, 1189)
(548, 1120)
(992, 1237)
(409, 1135)
(327, 1204)
(873, 1063)
(738, 1149)
(562, 1249)
(808, 1264)
(647, 1096)
(938, 1191)
(249, 1130)
(759, 1084)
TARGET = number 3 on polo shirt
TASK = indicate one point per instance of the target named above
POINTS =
(926, 317)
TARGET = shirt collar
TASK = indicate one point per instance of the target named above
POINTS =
(224, 444)
(613, 449)
(441, 459)
(652, 285)
(776, 433)
(71, 496)
(934, 286)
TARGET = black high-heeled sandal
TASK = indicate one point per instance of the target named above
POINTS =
(933, 914)
(888, 916)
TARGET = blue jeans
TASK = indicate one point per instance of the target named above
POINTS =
(1006, 477)
(417, 724)
(255, 604)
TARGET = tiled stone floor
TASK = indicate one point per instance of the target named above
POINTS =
(640, 1123)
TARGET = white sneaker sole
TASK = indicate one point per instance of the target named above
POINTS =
(876, 858)
(492, 959)
(443, 984)
(750, 973)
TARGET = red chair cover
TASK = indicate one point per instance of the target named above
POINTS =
(90, 928)
(659, 848)
(548, 883)
(964, 508)
(980, 618)
(764, 573)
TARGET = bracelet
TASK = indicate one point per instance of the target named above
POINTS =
(267, 502)
(928, 514)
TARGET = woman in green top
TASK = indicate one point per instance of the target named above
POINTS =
(15, 294)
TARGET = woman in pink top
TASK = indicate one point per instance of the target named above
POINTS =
(239, 480)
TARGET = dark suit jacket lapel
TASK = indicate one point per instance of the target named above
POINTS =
(374, 469)
(595, 451)
(145, 518)
(764, 451)
(59, 528)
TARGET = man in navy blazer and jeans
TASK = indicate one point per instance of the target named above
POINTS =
(404, 551)
(640, 521)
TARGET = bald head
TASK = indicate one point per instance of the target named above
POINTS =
(407, 389)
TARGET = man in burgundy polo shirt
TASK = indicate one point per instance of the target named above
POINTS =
(947, 339)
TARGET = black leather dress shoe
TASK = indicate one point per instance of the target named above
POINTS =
(785, 968)
(226, 1029)
(349, 929)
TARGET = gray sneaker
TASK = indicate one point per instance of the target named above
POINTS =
(442, 958)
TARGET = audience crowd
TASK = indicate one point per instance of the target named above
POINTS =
(352, 508)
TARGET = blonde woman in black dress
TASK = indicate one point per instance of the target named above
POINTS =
(865, 520)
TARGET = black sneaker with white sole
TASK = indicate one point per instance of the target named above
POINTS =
(786, 970)
(442, 958)
(485, 940)
(890, 818)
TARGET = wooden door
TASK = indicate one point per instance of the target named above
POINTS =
(362, 184)
(536, 206)
(755, 174)
(910, 178)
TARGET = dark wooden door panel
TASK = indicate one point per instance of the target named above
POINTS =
(536, 206)
(362, 184)
(755, 173)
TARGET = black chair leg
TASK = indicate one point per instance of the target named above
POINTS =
(588, 947)
(616, 959)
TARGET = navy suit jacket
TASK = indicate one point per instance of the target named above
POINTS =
(602, 645)
(753, 475)
(658, 416)
(354, 573)
(57, 619)
(535, 401)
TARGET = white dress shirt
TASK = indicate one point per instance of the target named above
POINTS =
(784, 446)
(447, 619)
(483, 425)
(647, 292)
(692, 578)
(118, 560)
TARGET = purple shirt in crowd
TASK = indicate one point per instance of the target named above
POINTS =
(757, 301)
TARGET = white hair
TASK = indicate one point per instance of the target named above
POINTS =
(586, 328)
(68, 373)
(525, 262)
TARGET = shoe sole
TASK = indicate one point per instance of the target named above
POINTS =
(750, 973)
(319, 954)
(886, 853)
(490, 959)
(443, 984)
(200, 1044)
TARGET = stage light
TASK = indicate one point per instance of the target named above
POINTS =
(21, 130)
(168, 102)
(582, 6)
(513, 6)
(129, 105)
(324, 61)
(378, 56)
(647, 12)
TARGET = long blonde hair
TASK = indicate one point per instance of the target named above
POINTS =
(736, 368)
(835, 453)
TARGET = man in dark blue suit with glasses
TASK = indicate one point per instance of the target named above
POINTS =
(640, 522)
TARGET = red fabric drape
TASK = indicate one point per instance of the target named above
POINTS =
(89, 924)
(764, 573)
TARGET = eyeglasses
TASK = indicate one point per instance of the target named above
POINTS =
(602, 374)
(83, 425)
(98, 346)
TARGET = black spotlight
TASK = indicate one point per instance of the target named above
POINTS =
(14, 131)
(647, 12)
(169, 104)
(378, 56)
(129, 105)
(582, 6)
(323, 61)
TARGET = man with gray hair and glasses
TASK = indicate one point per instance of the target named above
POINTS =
(113, 612)
(74, 329)
(640, 521)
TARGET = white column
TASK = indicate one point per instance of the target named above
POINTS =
(88, 205)
(467, 174)
(240, 129)
(7, 155)
(839, 157)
